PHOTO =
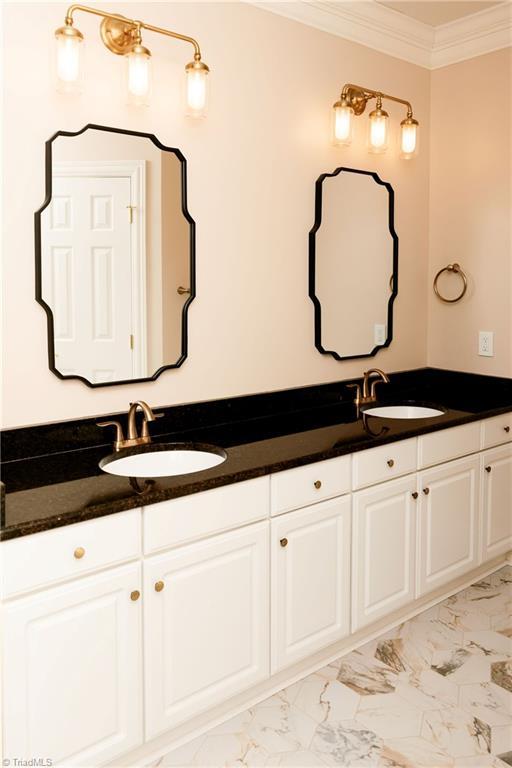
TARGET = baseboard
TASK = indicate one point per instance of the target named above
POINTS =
(152, 750)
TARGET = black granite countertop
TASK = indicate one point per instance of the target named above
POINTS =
(51, 475)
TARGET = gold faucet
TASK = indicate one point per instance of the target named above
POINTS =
(368, 395)
(133, 438)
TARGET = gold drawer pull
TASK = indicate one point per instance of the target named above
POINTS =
(426, 491)
(391, 462)
(488, 469)
(317, 484)
(135, 595)
(283, 542)
(415, 494)
(159, 586)
(507, 429)
(79, 553)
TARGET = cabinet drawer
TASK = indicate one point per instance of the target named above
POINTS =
(497, 430)
(448, 444)
(188, 518)
(302, 486)
(44, 558)
(384, 463)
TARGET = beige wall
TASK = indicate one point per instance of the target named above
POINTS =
(252, 166)
(470, 211)
(176, 261)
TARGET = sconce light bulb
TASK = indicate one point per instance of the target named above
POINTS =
(68, 64)
(342, 122)
(409, 130)
(378, 130)
(197, 88)
(138, 75)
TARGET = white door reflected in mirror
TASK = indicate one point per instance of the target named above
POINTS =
(116, 245)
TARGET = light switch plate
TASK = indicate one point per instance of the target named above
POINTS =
(379, 334)
(486, 343)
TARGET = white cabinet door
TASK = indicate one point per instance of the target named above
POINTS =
(206, 613)
(497, 502)
(449, 522)
(310, 580)
(72, 671)
(384, 549)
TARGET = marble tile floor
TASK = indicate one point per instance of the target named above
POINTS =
(435, 691)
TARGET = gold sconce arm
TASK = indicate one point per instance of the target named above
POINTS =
(119, 33)
(358, 96)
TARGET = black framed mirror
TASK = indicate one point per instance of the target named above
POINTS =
(115, 256)
(353, 263)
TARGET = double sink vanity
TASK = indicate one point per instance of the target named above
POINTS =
(171, 603)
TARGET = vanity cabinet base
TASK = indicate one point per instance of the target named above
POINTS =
(216, 715)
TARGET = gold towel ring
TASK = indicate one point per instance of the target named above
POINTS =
(459, 271)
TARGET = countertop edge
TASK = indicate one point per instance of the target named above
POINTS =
(113, 507)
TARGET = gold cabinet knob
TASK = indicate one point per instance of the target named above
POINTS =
(415, 494)
(159, 586)
(317, 484)
(488, 469)
(135, 595)
(79, 553)
(283, 542)
(507, 429)
(426, 491)
(391, 462)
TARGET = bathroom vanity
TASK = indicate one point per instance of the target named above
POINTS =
(172, 604)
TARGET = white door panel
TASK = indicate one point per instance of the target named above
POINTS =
(497, 502)
(384, 549)
(310, 580)
(72, 671)
(87, 278)
(449, 517)
(208, 635)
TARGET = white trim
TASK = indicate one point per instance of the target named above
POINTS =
(135, 170)
(473, 35)
(388, 31)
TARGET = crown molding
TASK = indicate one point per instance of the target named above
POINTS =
(474, 35)
(388, 31)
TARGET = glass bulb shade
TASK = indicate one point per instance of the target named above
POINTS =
(378, 131)
(197, 89)
(138, 75)
(68, 59)
(409, 135)
(342, 123)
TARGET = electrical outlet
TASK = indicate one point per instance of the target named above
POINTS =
(379, 334)
(486, 343)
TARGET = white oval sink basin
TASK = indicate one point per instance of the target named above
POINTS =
(163, 460)
(403, 412)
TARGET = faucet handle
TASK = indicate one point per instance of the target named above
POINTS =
(357, 387)
(374, 384)
(145, 430)
(119, 431)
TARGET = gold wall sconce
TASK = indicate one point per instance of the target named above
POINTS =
(353, 101)
(123, 36)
